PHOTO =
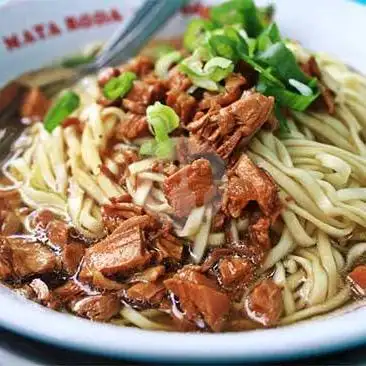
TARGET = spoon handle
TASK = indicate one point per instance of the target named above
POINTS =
(129, 38)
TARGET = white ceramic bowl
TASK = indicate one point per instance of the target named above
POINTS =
(32, 34)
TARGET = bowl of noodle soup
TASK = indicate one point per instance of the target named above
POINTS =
(200, 196)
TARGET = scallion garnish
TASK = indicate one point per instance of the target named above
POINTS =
(119, 86)
(162, 121)
(65, 104)
(207, 76)
(165, 62)
(195, 33)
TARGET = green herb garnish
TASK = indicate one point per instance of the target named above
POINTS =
(285, 97)
(65, 104)
(119, 86)
(238, 31)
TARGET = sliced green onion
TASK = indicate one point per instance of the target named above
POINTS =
(164, 63)
(192, 66)
(206, 77)
(65, 104)
(204, 83)
(195, 32)
(119, 86)
(162, 120)
(218, 68)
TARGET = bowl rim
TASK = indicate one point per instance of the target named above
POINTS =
(307, 338)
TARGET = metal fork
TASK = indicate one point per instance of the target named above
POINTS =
(123, 45)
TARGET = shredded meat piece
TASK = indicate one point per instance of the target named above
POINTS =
(223, 129)
(358, 279)
(73, 121)
(312, 69)
(134, 126)
(99, 307)
(327, 98)
(235, 270)
(142, 94)
(197, 147)
(71, 256)
(234, 84)
(123, 250)
(248, 183)
(259, 232)
(185, 105)
(10, 223)
(27, 258)
(104, 283)
(149, 275)
(234, 267)
(57, 233)
(199, 298)
(68, 292)
(146, 293)
(192, 186)
(6, 268)
(35, 104)
(140, 65)
(169, 246)
(116, 212)
(242, 249)
(218, 222)
(177, 80)
(265, 303)
(43, 218)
